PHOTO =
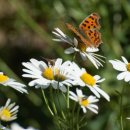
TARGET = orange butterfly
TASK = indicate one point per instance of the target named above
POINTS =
(89, 29)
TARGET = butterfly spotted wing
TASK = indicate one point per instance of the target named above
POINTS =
(90, 27)
(73, 29)
(94, 37)
(91, 22)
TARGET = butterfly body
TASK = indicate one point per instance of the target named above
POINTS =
(49, 62)
(90, 27)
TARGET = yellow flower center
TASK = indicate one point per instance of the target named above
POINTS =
(48, 74)
(5, 115)
(58, 76)
(3, 78)
(84, 102)
(128, 66)
(88, 79)
(53, 74)
(82, 47)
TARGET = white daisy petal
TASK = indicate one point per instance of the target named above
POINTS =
(55, 84)
(95, 92)
(73, 98)
(57, 40)
(92, 49)
(63, 88)
(79, 92)
(121, 75)
(69, 50)
(93, 110)
(124, 59)
(92, 60)
(117, 65)
(105, 95)
(93, 106)
(73, 94)
(97, 77)
(127, 77)
(84, 109)
(75, 42)
(83, 56)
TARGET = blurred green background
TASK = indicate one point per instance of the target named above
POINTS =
(26, 32)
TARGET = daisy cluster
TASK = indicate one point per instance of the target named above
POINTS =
(83, 78)
(9, 111)
(60, 75)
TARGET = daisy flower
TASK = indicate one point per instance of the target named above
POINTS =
(6, 81)
(85, 102)
(43, 75)
(9, 111)
(16, 126)
(122, 66)
(83, 49)
(85, 79)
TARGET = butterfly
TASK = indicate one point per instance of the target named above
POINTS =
(88, 30)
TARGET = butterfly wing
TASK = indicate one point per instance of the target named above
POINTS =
(90, 22)
(94, 36)
(90, 27)
(75, 31)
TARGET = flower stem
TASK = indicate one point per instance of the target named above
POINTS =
(73, 121)
(52, 101)
(68, 103)
(121, 109)
(46, 101)
(82, 118)
(58, 98)
(78, 118)
(74, 56)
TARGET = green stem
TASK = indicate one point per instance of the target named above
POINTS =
(46, 101)
(78, 118)
(62, 113)
(68, 102)
(121, 109)
(54, 108)
(74, 56)
(64, 97)
(52, 101)
(74, 106)
(82, 118)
